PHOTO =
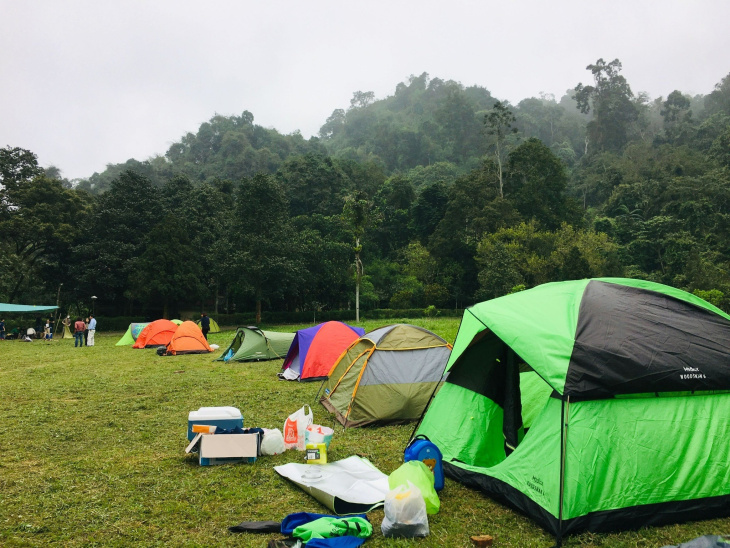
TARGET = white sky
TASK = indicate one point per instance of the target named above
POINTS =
(86, 83)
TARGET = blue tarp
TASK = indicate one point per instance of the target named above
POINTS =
(5, 307)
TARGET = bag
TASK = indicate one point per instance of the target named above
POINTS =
(421, 448)
(417, 473)
(295, 426)
(228, 355)
(273, 442)
(315, 434)
(405, 513)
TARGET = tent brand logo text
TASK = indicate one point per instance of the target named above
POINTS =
(692, 373)
(536, 485)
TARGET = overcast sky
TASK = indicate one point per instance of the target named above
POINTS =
(92, 82)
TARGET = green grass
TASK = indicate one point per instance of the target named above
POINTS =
(92, 454)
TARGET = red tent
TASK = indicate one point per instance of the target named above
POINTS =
(316, 349)
(188, 339)
(158, 333)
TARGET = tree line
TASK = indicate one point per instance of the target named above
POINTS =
(439, 195)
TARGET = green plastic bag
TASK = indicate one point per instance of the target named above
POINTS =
(421, 476)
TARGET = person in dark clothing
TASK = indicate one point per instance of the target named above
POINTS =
(204, 324)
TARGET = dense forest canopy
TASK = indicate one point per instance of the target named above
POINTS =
(439, 194)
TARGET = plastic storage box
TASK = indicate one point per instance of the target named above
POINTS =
(221, 417)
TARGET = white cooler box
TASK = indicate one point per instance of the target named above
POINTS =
(221, 417)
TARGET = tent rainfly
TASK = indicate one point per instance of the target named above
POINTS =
(387, 375)
(316, 349)
(252, 344)
(187, 339)
(214, 327)
(591, 405)
(131, 334)
(157, 333)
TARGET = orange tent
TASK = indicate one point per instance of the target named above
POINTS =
(157, 333)
(188, 339)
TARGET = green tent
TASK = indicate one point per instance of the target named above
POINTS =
(132, 333)
(214, 327)
(591, 405)
(252, 344)
(387, 375)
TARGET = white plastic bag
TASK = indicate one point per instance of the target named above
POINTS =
(315, 434)
(295, 426)
(273, 442)
(405, 513)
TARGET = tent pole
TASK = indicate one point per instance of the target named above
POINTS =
(316, 398)
(563, 426)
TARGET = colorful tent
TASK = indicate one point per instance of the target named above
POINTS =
(315, 350)
(591, 405)
(214, 328)
(131, 334)
(188, 339)
(157, 333)
(387, 375)
(251, 344)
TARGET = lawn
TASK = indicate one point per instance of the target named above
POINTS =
(92, 443)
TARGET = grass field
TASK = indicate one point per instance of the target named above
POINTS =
(92, 454)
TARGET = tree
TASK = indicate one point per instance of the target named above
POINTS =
(17, 166)
(168, 268)
(677, 115)
(314, 184)
(498, 124)
(361, 99)
(536, 183)
(610, 99)
(115, 234)
(262, 265)
(356, 214)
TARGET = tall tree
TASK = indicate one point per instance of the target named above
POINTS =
(611, 100)
(356, 213)
(262, 264)
(499, 125)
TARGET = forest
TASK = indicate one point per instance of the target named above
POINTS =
(439, 195)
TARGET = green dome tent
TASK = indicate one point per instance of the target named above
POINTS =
(251, 344)
(214, 328)
(387, 375)
(132, 333)
(591, 405)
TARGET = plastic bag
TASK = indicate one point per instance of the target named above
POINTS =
(273, 442)
(416, 472)
(405, 513)
(315, 434)
(295, 426)
(228, 355)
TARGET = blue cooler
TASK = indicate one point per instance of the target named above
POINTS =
(426, 451)
(222, 417)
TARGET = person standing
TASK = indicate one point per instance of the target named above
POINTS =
(204, 324)
(86, 330)
(92, 330)
(2, 329)
(48, 330)
(67, 327)
(79, 327)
